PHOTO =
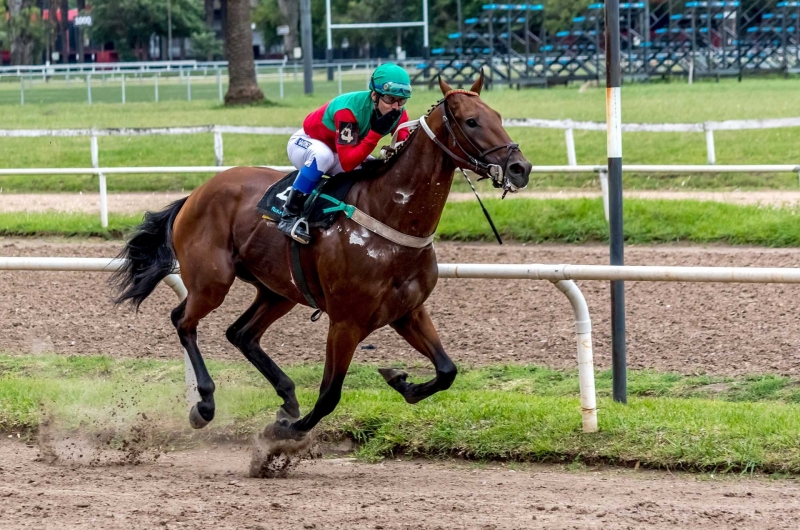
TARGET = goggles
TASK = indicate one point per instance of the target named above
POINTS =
(391, 100)
(395, 89)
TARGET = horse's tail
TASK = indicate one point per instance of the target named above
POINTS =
(148, 255)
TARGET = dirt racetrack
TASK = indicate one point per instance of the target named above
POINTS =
(687, 328)
(208, 489)
(680, 327)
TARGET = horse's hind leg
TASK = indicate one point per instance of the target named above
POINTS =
(207, 287)
(246, 334)
(418, 330)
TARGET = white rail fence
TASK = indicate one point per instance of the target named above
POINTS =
(707, 127)
(157, 74)
(562, 276)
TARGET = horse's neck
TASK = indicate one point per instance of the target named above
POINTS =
(410, 197)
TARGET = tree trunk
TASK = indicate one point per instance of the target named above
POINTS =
(21, 44)
(209, 8)
(290, 9)
(243, 88)
(223, 16)
(64, 27)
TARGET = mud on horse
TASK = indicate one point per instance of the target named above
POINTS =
(362, 280)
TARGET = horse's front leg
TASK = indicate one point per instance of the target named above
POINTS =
(417, 328)
(343, 337)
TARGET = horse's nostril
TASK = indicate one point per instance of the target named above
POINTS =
(516, 169)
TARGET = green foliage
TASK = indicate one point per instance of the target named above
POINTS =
(4, 44)
(29, 30)
(206, 44)
(129, 24)
(267, 17)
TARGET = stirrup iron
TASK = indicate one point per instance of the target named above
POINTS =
(301, 220)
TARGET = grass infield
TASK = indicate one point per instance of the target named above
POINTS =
(523, 220)
(525, 413)
(642, 103)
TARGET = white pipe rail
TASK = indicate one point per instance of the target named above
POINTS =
(641, 273)
(630, 168)
(583, 328)
(143, 170)
(562, 276)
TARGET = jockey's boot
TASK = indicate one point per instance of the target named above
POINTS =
(292, 224)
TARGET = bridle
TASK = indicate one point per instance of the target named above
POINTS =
(476, 162)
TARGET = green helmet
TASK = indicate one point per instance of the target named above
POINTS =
(392, 80)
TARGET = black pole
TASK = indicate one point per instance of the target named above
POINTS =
(614, 147)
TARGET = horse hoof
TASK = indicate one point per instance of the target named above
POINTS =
(392, 374)
(196, 420)
(281, 430)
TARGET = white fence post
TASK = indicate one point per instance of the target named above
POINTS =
(123, 89)
(219, 83)
(189, 86)
(711, 154)
(280, 79)
(22, 90)
(604, 189)
(218, 147)
(570, 139)
(89, 88)
(156, 87)
(102, 179)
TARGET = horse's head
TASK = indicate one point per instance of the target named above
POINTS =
(478, 139)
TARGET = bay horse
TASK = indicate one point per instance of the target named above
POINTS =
(362, 280)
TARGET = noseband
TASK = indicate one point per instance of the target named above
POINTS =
(476, 162)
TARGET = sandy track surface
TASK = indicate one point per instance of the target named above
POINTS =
(139, 202)
(720, 329)
(209, 488)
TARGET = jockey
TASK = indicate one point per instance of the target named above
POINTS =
(340, 135)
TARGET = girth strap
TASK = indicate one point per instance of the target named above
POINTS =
(375, 226)
(300, 279)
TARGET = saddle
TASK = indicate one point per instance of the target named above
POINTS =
(314, 210)
(319, 210)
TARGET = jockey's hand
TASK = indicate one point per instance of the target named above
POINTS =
(383, 124)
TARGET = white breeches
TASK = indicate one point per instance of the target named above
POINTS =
(302, 149)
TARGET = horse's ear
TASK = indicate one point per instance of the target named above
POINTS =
(478, 85)
(444, 86)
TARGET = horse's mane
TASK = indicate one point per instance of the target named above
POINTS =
(375, 168)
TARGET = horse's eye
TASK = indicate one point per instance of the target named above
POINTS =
(472, 123)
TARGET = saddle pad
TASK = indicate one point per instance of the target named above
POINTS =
(271, 204)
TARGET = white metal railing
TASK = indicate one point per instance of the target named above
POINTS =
(156, 66)
(562, 276)
(707, 127)
(156, 75)
(101, 172)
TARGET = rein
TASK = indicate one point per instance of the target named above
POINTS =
(474, 163)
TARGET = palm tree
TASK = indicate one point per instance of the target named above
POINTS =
(242, 88)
